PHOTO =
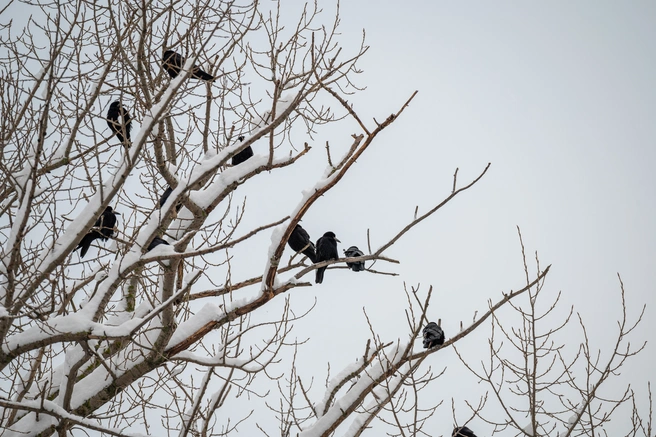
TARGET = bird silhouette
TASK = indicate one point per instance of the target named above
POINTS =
(106, 224)
(351, 252)
(164, 198)
(173, 63)
(243, 155)
(433, 335)
(156, 242)
(300, 241)
(326, 250)
(463, 431)
(120, 127)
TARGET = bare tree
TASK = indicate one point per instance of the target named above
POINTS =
(544, 380)
(134, 336)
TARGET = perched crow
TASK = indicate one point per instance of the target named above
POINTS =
(352, 251)
(165, 196)
(463, 431)
(120, 128)
(300, 241)
(86, 241)
(173, 63)
(243, 155)
(433, 335)
(106, 222)
(326, 250)
(156, 242)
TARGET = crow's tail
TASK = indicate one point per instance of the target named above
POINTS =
(200, 74)
(319, 278)
(85, 244)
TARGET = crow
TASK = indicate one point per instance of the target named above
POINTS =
(156, 242)
(300, 241)
(243, 155)
(173, 63)
(463, 431)
(353, 251)
(106, 222)
(120, 128)
(165, 196)
(326, 250)
(433, 335)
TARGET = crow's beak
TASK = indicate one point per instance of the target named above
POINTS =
(116, 213)
(337, 240)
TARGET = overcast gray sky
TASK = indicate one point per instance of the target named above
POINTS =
(560, 98)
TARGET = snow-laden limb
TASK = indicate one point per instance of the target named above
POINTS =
(209, 313)
(348, 373)
(281, 234)
(343, 406)
(331, 177)
(55, 327)
(10, 246)
(119, 327)
(53, 415)
(126, 365)
(377, 382)
(71, 327)
(381, 396)
(49, 259)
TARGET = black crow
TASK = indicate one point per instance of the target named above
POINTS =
(300, 241)
(326, 250)
(120, 128)
(165, 196)
(173, 63)
(352, 251)
(463, 431)
(106, 224)
(243, 155)
(156, 242)
(433, 335)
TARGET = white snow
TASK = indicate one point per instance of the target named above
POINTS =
(374, 371)
(29, 425)
(334, 382)
(18, 222)
(278, 231)
(192, 275)
(283, 102)
(207, 314)
(572, 420)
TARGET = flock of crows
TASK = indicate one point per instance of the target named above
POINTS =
(119, 122)
(325, 250)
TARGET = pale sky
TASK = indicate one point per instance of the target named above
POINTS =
(560, 98)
